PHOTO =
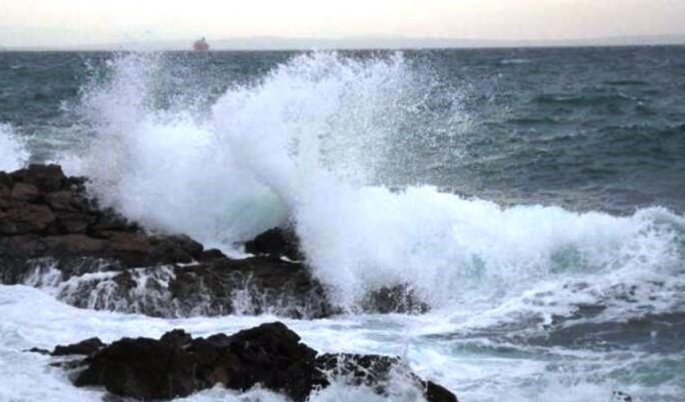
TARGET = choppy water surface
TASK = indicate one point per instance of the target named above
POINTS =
(534, 198)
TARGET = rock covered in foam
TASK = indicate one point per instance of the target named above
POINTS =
(270, 355)
(277, 243)
(86, 347)
(53, 234)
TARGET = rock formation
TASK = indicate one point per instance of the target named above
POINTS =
(53, 235)
(270, 355)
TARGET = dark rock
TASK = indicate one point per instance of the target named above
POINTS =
(47, 178)
(55, 234)
(6, 181)
(74, 222)
(172, 249)
(250, 286)
(375, 371)
(212, 255)
(68, 201)
(110, 221)
(270, 355)
(72, 244)
(276, 242)
(620, 396)
(5, 193)
(23, 218)
(396, 299)
(141, 368)
(39, 351)
(26, 192)
(86, 347)
(369, 370)
(177, 337)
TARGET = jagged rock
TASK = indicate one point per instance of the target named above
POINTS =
(22, 218)
(396, 299)
(6, 181)
(86, 347)
(60, 238)
(67, 201)
(109, 221)
(74, 222)
(276, 242)
(47, 178)
(251, 286)
(270, 355)
(375, 371)
(25, 192)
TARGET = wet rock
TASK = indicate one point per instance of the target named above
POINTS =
(39, 351)
(22, 218)
(74, 222)
(270, 355)
(6, 181)
(620, 396)
(212, 255)
(54, 235)
(26, 192)
(86, 347)
(375, 371)
(109, 221)
(276, 242)
(396, 299)
(67, 201)
(47, 178)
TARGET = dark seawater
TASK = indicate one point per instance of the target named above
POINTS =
(533, 197)
(589, 128)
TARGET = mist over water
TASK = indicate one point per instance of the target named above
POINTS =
(371, 159)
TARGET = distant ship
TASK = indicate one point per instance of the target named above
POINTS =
(201, 45)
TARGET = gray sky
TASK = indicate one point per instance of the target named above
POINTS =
(64, 23)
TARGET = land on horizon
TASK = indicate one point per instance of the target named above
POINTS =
(351, 43)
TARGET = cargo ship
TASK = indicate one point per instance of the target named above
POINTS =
(201, 45)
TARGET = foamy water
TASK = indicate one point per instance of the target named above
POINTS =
(13, 152)
(310, 143)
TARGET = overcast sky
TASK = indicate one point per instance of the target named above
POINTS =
(50, 23)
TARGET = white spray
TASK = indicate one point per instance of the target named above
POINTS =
(310, 142)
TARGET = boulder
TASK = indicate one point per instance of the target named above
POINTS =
(270, 355)
(22, 218)
(395, 299)
(26, 192)
(47, 178)
(86, 347)
(52, 234)
(276, 242)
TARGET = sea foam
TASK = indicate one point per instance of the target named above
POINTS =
(13, 151)
(312, 143)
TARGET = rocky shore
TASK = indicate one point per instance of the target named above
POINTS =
(53, 235)
(270, 355)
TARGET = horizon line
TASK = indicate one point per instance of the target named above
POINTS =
(282, 43)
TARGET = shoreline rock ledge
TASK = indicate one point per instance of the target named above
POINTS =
(53, 235)
(270, 355)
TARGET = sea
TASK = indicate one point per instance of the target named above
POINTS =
(533, 198)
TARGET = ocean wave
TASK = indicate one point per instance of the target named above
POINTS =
(13, 151)
(310, 143)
